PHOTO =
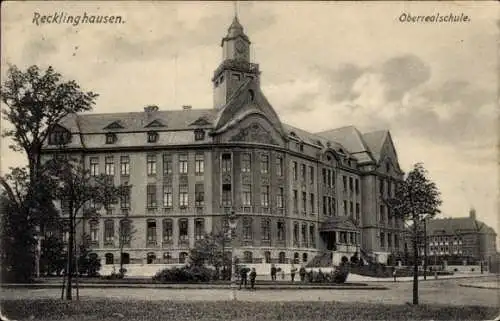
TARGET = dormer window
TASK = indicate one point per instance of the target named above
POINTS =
(236, 77)
(110, 138)
(301, 147)
(152, 137)
(251, 95)
(59, 137)
(199, 134)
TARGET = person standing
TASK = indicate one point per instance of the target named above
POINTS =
(273, 272)
(243, 277)
(292, 272)
(394, 273)
(253, 276)
(302, 273)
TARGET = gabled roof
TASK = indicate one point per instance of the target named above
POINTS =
(352, 140)
(114, 125)
(311, 138)
(155, 123)
(375, 141)
(458, 225)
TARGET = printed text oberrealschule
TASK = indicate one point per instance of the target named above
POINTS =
(434, 18)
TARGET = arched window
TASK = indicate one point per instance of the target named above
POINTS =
(247, 257)
(387, 167)
(151, 257)
(109, 258)
(267, 257)
(304, 257)
(168, 230)
(182, 257)
(281, 258)
(296, 258)
(125, 258)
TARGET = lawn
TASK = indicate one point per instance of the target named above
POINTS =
(100, 309)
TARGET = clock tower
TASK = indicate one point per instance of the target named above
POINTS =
(235, 67)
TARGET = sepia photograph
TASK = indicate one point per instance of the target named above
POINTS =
(249, 160)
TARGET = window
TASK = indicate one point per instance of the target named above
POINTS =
(266, 229)
(330, 178)
(381, 186)
(199, 228)
(311, 175)
(279, 166)
(264, 197)
(325, 205)
(312, 235)
(183, 196)
(281, 258)
(296, 258)
(304, 202)
(151, 164)
(356, 187)
(109, 231)
(267, 257)
(109, 258)
(344, 182)
(280, 198)
(246, 195)
(94, 166)
(389, 188)
(151, 231)
(199, 191)
(311, 199)
(236, 76)
(124, 233)
(351, 208)
(324, 176)
(58, 137)
(167, 164)
(226, 163)
(295, 234)
(295, 171)
(247, 257)
(152, 137)
(199, 134)
(343, 237)
(246, 162)
(389, 240)
(168, 230)
(351, 185)
(345, 208)
(303, 172)
(382, 213)
(109, 166)
(125, 258)
(226, 195)
(125, 199)
(110, 138)
(304, 235)
(167, 196)
(151, 195)
(358, 211)
(264, 164)
(247, 228)
(124, 165)
(281, 230)
(382, 239)
(94, 232)
(199, 164)
(183, 229)
(183, 164)
(182, 257)
(295, 200)
(304, 257)
(301, 147)
(150, 258)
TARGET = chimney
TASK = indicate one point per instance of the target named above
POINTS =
(186, 107)
(150, 108)
(472, 213)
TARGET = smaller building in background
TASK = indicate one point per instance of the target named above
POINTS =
(460, 240)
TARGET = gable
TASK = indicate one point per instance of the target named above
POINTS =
(155, 123)
(202, 121)
(388, 157)
(114, 125)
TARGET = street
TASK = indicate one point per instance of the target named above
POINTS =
(445, 292)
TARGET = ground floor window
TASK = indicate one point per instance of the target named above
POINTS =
(125, 258)
(304, 257)
(109, 258)
(151, 257)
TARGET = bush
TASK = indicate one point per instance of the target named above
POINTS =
(193, 274)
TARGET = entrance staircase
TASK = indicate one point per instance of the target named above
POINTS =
(322, 260)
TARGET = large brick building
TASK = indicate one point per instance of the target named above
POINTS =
(296, 194)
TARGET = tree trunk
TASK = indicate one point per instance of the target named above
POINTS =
(70, 255)
(415, 263)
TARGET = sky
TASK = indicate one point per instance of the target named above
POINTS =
(324, 65)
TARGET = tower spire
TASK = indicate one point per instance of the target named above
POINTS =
(235, 3)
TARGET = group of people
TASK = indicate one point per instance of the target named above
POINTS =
(244, 277)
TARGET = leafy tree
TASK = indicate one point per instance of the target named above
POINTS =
(35, 102)
(53, 255)
(416, 199)
(208, 250)
(74, 187)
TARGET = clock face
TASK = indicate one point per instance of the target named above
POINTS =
(240, 46)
